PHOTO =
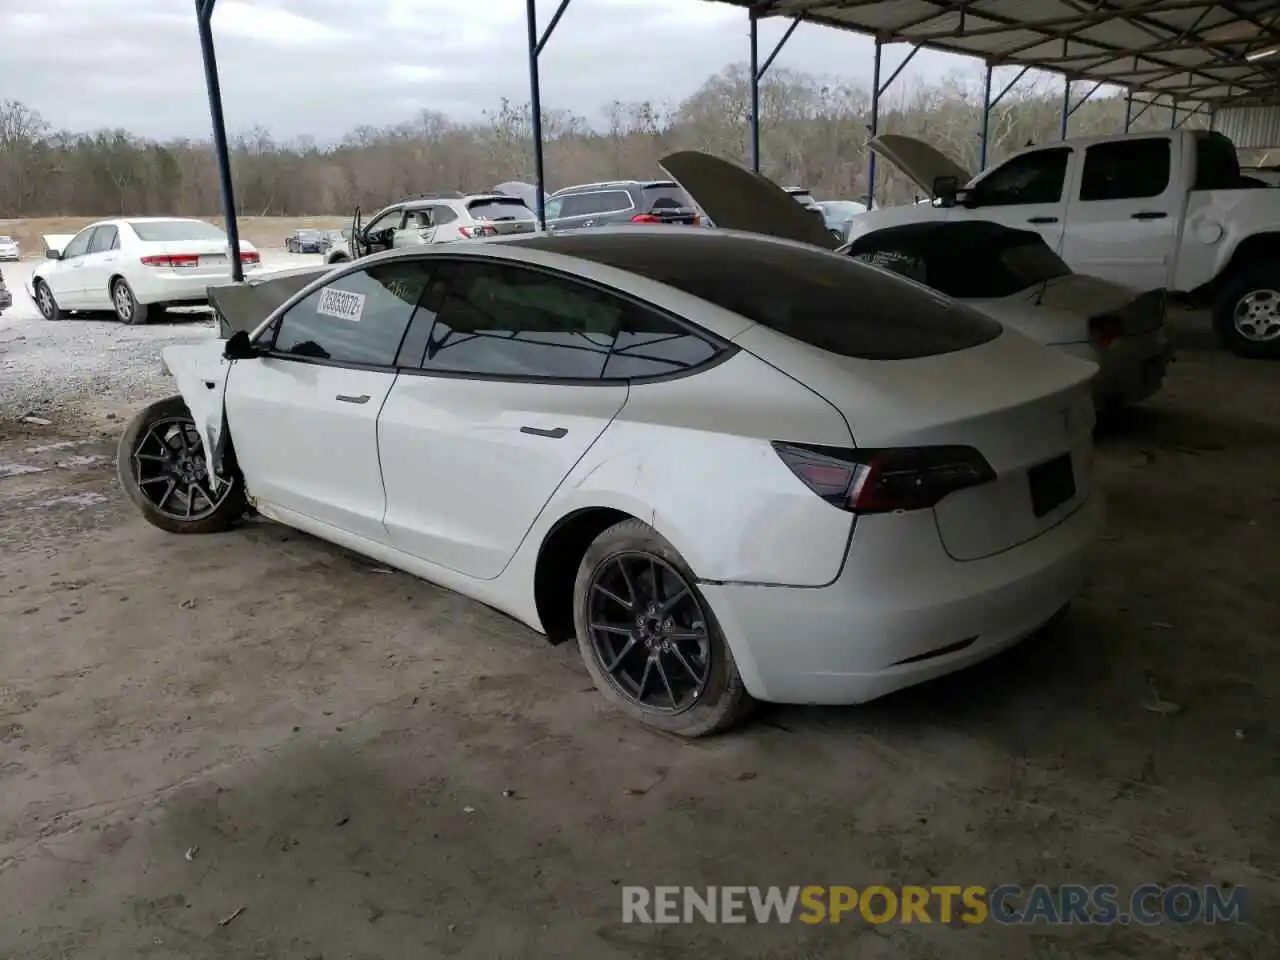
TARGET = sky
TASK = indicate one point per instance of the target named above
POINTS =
(321, 67)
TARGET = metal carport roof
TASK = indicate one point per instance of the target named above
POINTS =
(1188, 50)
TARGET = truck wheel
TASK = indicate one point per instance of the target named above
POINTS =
(1246, 316)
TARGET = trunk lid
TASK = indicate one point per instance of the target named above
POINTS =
(735, 198)
(1026, 409)
(1093, 297)
(213, 254)
(243, 306)
(922, 163)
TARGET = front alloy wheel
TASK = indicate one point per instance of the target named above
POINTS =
(162, 466)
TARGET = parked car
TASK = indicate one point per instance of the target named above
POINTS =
(10, 249)
(1168, 209)
(6, 298)
(134, 266)
(332, 238)
(617, 202)
(658, 442)
(304, 241)
(435, 218)
(1014, 277)
(838, 215)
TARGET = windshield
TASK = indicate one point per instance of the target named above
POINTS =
(163, 231)
(988, 268)
(308, 234)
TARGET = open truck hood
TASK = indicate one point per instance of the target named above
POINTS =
(735, 198)
(919, 161)
(243, 306)
(56, 242)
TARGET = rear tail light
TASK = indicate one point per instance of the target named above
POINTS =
(247, 256)
(1105, 330)
(174, 260)
(478, 231)
(645, 218)
(885, 480)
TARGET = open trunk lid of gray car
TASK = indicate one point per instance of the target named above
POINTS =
(243, 306)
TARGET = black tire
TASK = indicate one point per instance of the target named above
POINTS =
(1246, 315)
(46, 303)
(128, 309)
(716, 698)
(146, 475)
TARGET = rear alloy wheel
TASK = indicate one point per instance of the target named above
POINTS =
(1247, 315)
(45, 303)
(128, 309)
(648, 638)
(161, 465)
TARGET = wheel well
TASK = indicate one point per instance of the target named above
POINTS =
(557, 566)
(111, 284)
(1260, 246)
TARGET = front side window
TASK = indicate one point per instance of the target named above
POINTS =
(357, 319)
(103, 239)
(498, 320)
(388, 221)
(1036, 177)
(575, 205)
(79, 244)
(1126, 170)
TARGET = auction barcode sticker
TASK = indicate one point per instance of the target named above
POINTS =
(342, 304)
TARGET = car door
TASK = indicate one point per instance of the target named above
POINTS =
(65, 279)
(381, 230)
(507, 398)
(303, 417)
(99, 265)
(419, 224)
(1027, 192)
(1124, 223)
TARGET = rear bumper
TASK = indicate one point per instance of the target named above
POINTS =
(1130, 370)
(164, 286)
(899, 598)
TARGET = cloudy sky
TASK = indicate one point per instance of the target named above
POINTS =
(320, 67)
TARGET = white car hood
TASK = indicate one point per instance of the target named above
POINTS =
(921, 162)
(735, 198)
(56, 242)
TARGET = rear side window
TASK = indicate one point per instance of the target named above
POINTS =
(512, 209)
(1126, 170)
(357, 319)
(598, 201)
(830, 302)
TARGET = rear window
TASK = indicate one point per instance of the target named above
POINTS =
(830, 302)
(989, 268)
(162, 231)
(672, 197)
(500, 208)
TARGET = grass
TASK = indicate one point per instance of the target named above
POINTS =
(263, 232)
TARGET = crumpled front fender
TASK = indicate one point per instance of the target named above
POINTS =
(201, 372)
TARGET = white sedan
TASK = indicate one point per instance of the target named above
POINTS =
(134, 265)
(731, 467)
(10, 249)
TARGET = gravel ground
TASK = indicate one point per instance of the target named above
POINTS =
(88, 364)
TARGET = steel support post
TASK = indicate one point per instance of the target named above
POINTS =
(1128, 110)
(535, 111)
(204, 23)
(754, 68)
(874, 126)
(986, 120)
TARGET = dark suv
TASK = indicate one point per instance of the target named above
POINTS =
(619, 202)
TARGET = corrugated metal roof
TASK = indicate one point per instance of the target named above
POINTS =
(1189, 50)
(1250, 128)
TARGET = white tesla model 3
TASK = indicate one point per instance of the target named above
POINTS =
(731, 466)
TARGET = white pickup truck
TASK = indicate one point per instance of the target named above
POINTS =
(1152, 210)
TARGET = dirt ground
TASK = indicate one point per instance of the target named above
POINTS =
(260, 231)
(336, 743)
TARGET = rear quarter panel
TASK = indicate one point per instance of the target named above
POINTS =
(692, 457)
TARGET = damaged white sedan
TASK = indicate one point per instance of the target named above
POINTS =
(731, 467)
